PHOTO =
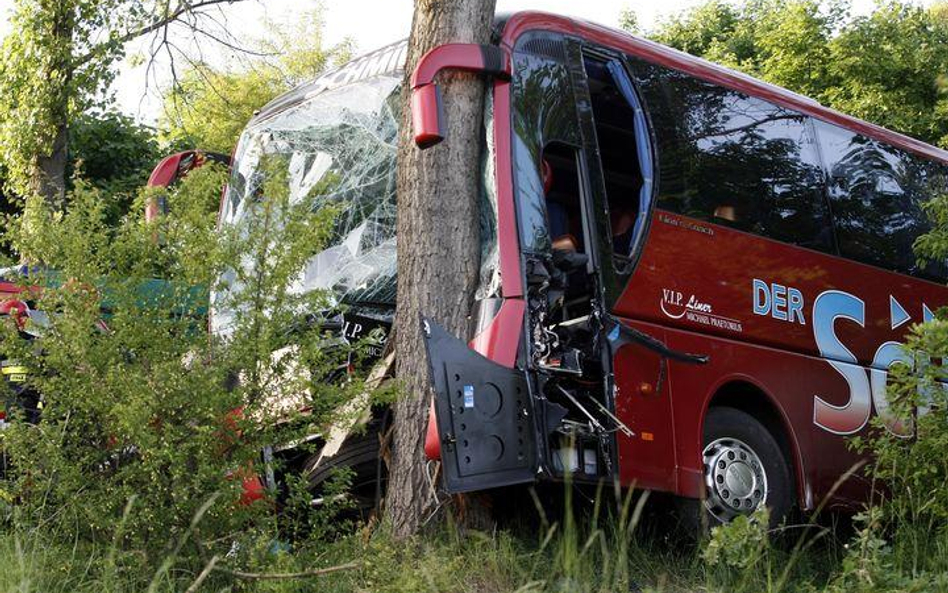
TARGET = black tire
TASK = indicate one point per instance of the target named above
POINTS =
(731, 441)
(359, 453)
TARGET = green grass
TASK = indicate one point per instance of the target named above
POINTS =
(443, 561)
(597, 553)
(634, 547)
(32, 563)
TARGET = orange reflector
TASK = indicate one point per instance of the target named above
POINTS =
(647, 436)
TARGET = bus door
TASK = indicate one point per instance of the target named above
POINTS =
(553, 416)
(565, 236)
(620, 170)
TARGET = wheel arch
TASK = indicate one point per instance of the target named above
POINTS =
(746, 395)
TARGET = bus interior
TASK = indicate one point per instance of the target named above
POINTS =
(568, 315)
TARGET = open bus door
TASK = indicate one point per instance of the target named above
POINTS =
(554, 417)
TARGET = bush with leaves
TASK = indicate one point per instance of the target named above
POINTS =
(902, 536)
(819, 48)
(114, 153)
(148, 421)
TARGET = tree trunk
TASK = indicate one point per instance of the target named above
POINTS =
(49, 174)
(49, 169)
(438, 241)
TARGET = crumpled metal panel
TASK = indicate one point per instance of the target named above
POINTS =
(489, 280)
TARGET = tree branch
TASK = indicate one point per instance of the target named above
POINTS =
(181, 10)
(204, 574)
(745, 127)
(260, 576)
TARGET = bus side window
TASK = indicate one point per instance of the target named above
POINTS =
(735, 160)
(877, 192)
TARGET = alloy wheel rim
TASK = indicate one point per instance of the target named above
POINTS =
(734, 478)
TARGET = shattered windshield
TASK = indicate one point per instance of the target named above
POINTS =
(340, 145)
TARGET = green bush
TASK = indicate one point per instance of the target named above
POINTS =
(902, 539)
(150, 424)
(739, 545)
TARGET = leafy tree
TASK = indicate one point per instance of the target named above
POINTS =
(783, 43)
(890, 68)
(887, 67)
(208, 106)
(114, 154)
(711, 26)
(629, 21)
(296, 51)
(112, 150)
(108, 150)
(54, 64)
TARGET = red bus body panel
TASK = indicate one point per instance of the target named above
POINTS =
(718, 265)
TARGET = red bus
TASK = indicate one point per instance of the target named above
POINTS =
(704, 277)
(691, 281)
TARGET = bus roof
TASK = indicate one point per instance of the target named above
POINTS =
(387, 60)
(521, 22)
(390, 60)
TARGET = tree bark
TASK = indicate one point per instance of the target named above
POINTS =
(48, 177)
(49, 174)
(438, 241)
(49, 169)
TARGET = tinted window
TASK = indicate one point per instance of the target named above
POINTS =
(543, 112)
(735, 160)
(876, 194)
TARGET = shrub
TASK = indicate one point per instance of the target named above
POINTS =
(902, 538)
(149, 424)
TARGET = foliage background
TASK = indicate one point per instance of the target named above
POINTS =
(889, 67)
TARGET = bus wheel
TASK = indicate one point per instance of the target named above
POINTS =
(743, 468)
(360, 455)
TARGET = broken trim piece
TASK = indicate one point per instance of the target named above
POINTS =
(621, 334)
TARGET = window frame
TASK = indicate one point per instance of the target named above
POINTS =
(523, 201)
(646, 154)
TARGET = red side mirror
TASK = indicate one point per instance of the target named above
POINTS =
(426, 110)
(173, 168)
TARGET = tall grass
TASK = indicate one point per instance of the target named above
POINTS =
(617, 542)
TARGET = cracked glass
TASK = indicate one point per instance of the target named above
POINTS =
(339, 148)
(339, 145)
